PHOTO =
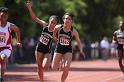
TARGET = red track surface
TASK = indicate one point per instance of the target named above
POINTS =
(84, 71)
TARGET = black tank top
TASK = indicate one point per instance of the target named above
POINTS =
(46, 37)
(64, 38)
(120, 36)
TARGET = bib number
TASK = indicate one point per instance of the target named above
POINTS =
(2, 39)
(64, 41)
(44, 40)
(120, 40)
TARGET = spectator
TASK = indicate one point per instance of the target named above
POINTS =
(105, 46)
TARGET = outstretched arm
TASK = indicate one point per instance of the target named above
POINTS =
(76, 35)
(33, 16)
(17, 31)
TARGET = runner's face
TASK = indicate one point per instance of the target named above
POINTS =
(122, 25)
(52, 23)
(3, 16)
(67, 19)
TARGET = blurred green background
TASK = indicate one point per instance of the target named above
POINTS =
(94, 18)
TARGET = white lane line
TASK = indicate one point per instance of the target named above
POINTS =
(111, 78)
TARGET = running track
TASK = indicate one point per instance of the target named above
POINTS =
(84, 71)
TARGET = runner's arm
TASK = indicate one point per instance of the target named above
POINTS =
(33, 16)
(76, 35)
(17, 31)
(55, 32)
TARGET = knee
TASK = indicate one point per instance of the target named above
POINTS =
(66, 68)
(120, 58)
(39, 67)
(54, 67)
(3, 57)
(46, 68)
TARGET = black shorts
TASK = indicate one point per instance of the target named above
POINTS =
(42, 48)
(120, 46)
(63, 50)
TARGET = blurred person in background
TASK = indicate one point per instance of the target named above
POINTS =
(95, 50)
(105, 48)
(113, 50)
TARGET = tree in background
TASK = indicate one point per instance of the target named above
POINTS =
(94, 18)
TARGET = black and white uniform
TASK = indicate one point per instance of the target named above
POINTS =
(45, 43)
(120, 38)
(64, 41)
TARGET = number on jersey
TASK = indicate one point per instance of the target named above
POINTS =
(2, 39)
(44, 40)
(64, 41)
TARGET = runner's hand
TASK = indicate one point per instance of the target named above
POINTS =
(19, 44)
(82, 53)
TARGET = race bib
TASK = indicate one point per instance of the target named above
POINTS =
(64, 41)
(44, 40)
(120, 40)
(2, 39)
